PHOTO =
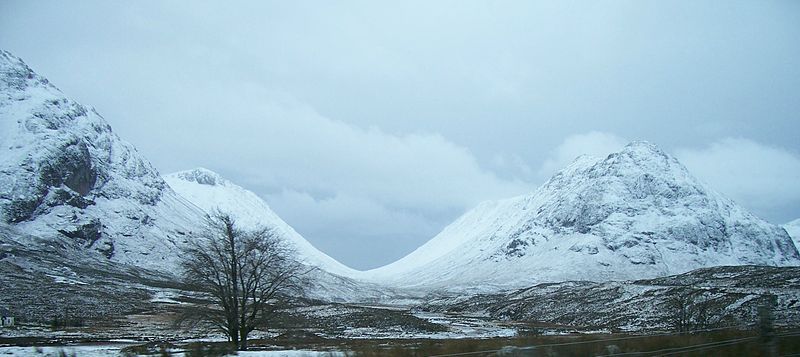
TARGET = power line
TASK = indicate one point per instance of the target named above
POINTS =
(698, 347)
(683, 349)
(467, 353)
(592, 341)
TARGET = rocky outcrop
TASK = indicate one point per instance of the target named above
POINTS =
(65, 175)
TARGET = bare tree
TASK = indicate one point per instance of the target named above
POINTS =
(680, 304)
(689, 310)
(243, 273)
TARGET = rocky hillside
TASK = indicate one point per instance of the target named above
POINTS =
(65, 176)
(66, 179)
(701, 299)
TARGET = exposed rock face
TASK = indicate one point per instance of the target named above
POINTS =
(67, 179)
(64, 174)
(636, 214)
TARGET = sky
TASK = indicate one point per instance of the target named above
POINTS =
(369, 126)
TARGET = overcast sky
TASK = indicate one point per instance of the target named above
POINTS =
(369, 126)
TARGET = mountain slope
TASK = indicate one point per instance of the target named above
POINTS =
(208, 190)
(793, 228)
(333, 281)
(67, 180)
(636, 214)
(65, 176)
(713, 297)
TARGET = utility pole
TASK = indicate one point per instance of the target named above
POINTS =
(766, 326)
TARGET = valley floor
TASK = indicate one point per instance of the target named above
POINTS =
(717, 343)
(714, 309)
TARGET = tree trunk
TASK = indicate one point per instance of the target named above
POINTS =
(234, 281)
(243, 341)
(234, 337)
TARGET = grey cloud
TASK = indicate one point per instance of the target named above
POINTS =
(762, 177)
(593, 143)
(422, 107)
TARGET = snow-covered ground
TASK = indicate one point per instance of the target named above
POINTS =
(717, 297)
(97, 350)
(83, 212)
(292, 353)
(105, 350)
(465, 326)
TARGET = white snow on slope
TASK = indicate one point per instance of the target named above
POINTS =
(793, 228)
(333, 281)
(482, 220)
(209, 191)
(635, 214)
(65, 176)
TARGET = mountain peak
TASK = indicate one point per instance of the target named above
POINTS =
(641, 151)
(643, 159)
(642, 146)
(66, 176)
(201, 176)
(14, 73)
(636, 213)
(7, 61)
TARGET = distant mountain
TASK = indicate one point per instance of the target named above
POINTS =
(69, 181)
(208, 190)
(635, 214)
(65, 176)
(793, 228)
(332, 281)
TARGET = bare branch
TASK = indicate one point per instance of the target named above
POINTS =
(242, 273)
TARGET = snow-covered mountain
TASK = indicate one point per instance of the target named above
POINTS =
(209, 191)
(636, 214)
(793, 228)
(332, 281)
(65, 176)
(67, 179)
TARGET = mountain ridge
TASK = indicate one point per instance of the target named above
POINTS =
(65, 175)
(68, 180)
(637, 213)
(330, 280)
(210, 191)
(793, 229)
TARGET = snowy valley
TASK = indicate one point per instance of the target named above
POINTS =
(91, 238)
